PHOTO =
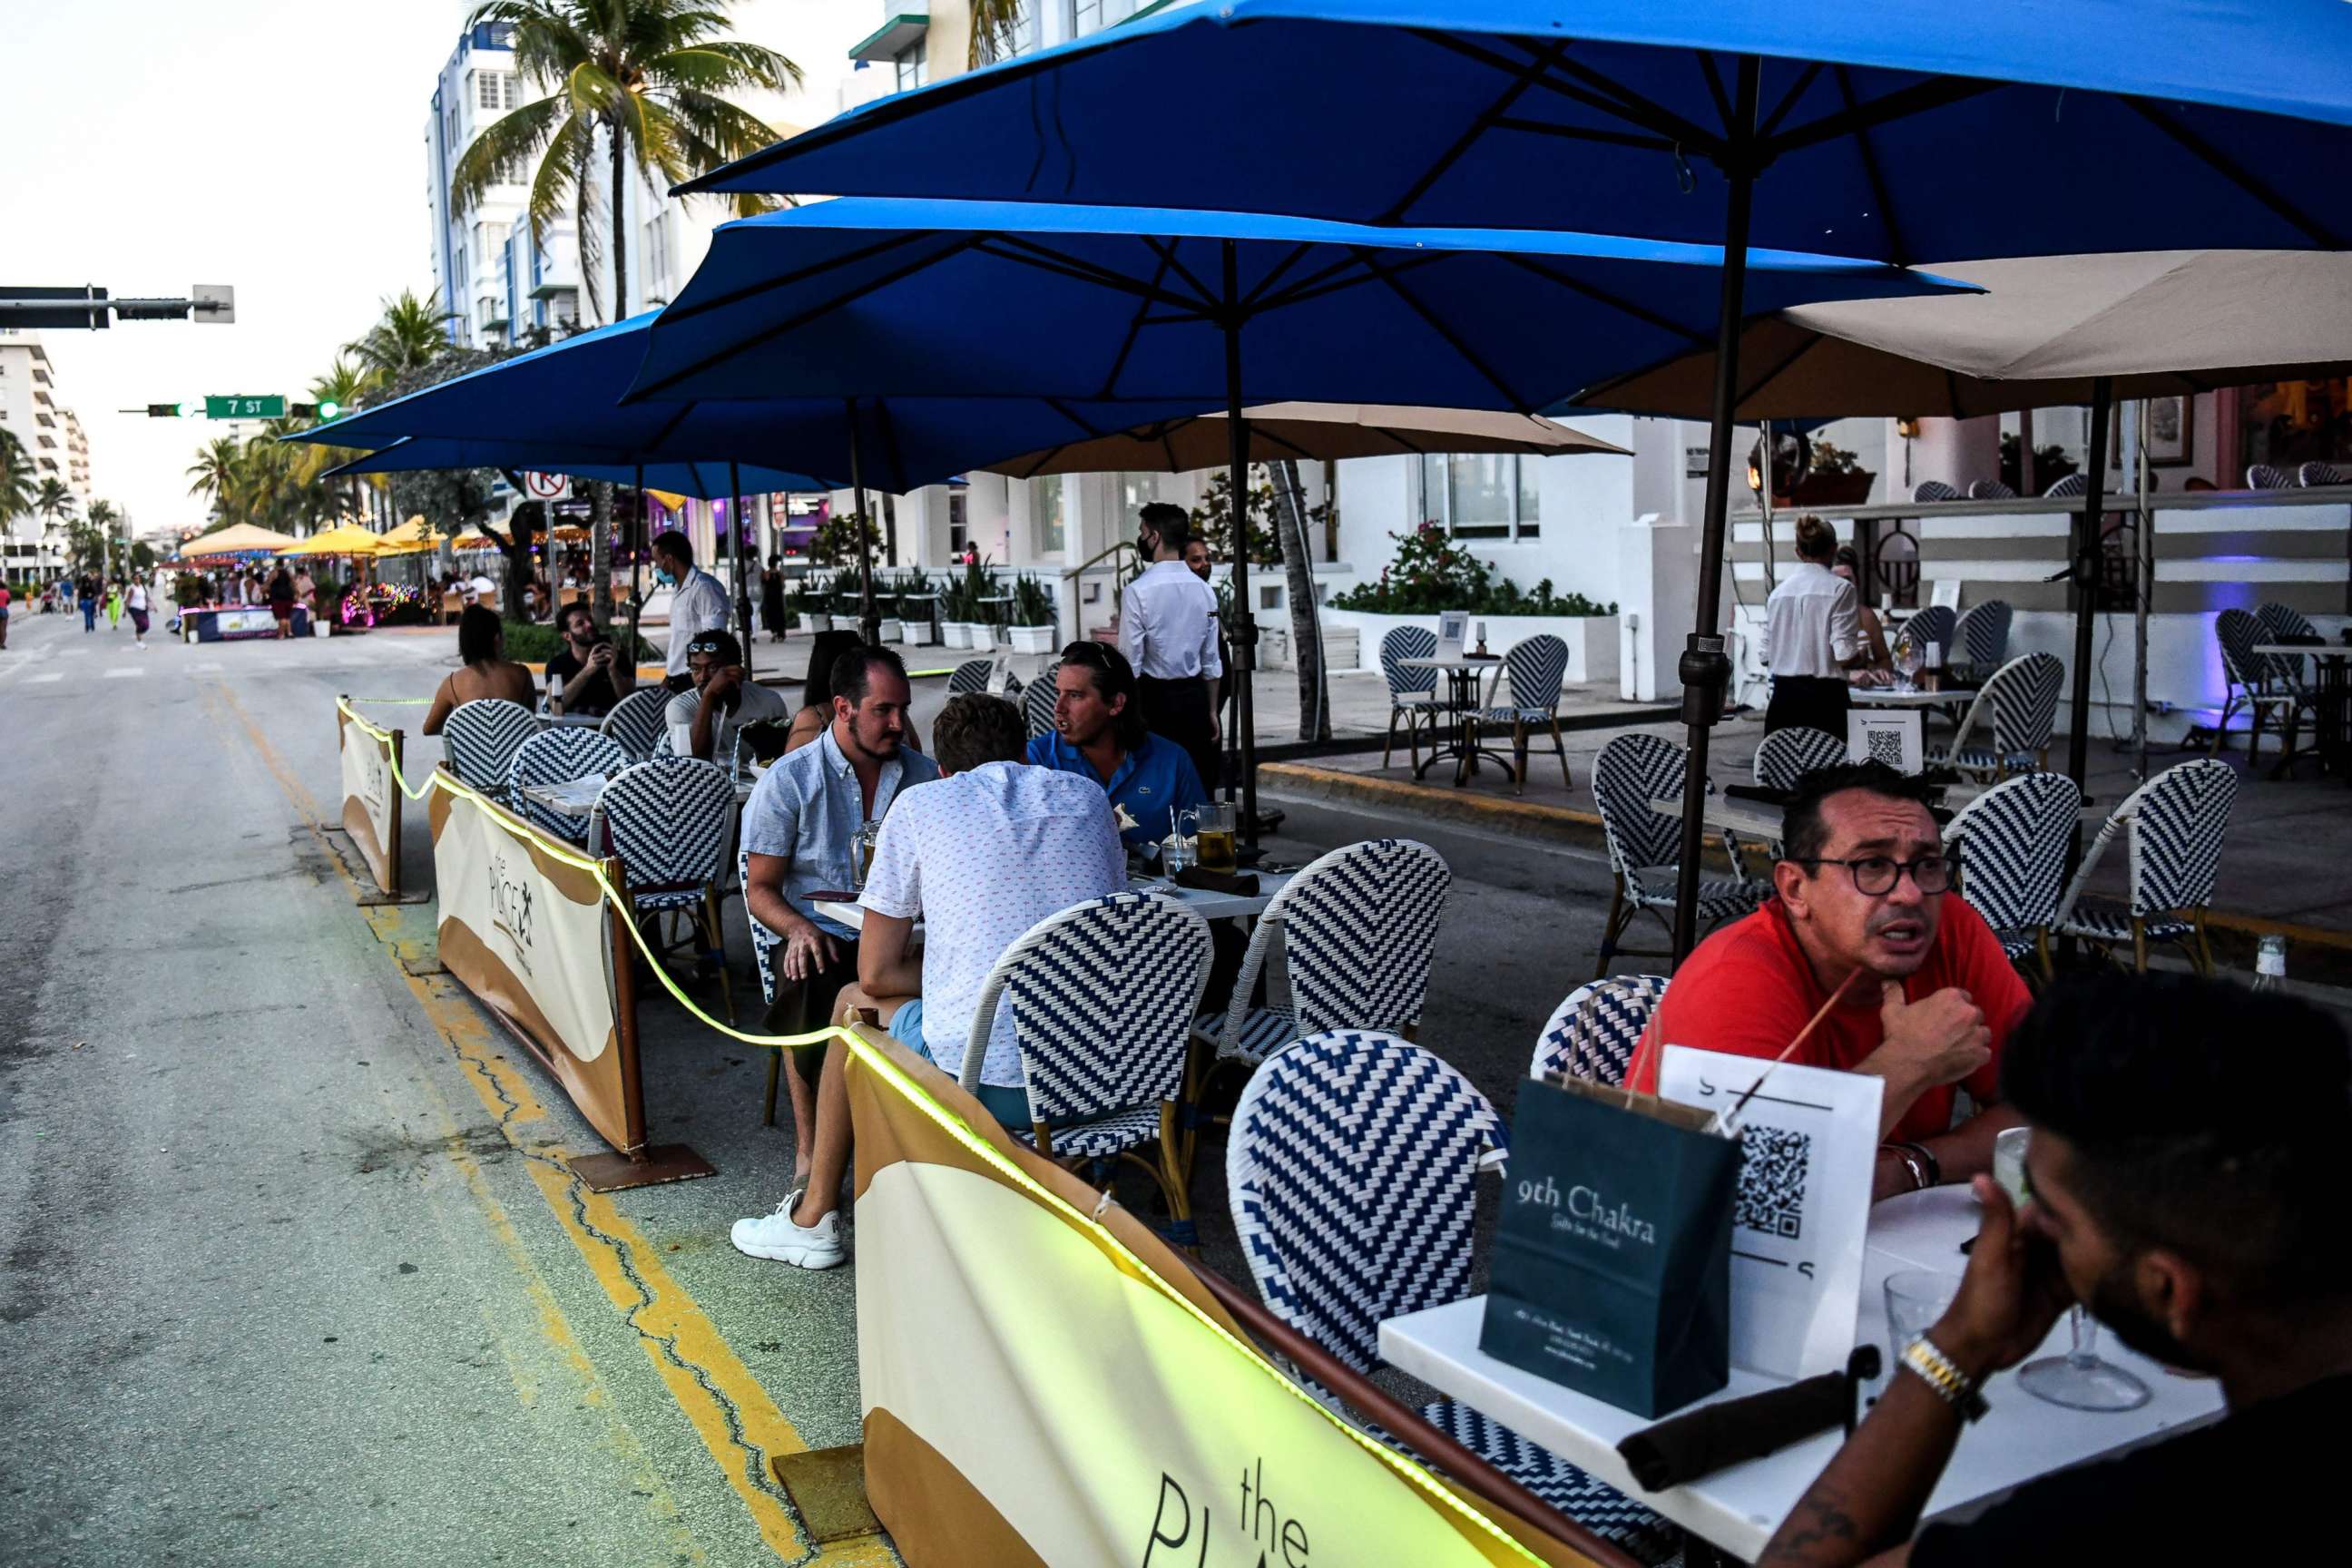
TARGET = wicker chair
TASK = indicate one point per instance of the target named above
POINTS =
(1934, 491)
(1535, 666)
(2313, 475)
(2175, 823)
(1645, 848)
(2264, 685)
(2011, 843)
(1593, 1035)
(1037, 700)
(668, 821)
(2072, 485)
(972, 674)
(1412, 693)
(637, 721)
(2263, 476)
(480, 739)
(1990, 489)
(1786, 756)
(558, 756)
(2020, 701)
(1981, 634)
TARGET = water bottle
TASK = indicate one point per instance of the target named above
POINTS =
(555, 694)
(2270, 964)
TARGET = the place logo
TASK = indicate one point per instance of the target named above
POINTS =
(1586, 1213)
(1257, 1534)
(510, 907)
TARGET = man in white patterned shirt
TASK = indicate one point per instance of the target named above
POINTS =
(991, 849)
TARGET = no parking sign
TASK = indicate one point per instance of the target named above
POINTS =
(540, 485)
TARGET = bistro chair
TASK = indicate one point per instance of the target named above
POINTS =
(1103, 996)
(1644, 848)
(636, 720)
(2313, 475)
(1981, 634)
(2010, 846)
(1934, 490)
(2020, 701)
(1351, 1172)
(764, 943)
(1593, 1035)
(2072, 485)
(1787, 756)
(480, 737)
(972, 674)
(2263, 685)
(1037, 700)
(559, 756)
(1412, 693)
(1536, 666)
(2175, 823)
(2263, 476)
(1932, 625)
(1990, 489)
(668, 821)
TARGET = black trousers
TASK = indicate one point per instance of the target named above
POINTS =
(1178, 711)
(1813, 701)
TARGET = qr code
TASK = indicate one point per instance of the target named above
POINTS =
(1771, 1197)
(1885, 746)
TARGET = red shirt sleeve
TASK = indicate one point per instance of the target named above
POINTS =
(1981, 968)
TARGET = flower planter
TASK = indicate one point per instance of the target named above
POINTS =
(811, 623)
(982, 635)
(892, 629)
(1031, 639)
(918, 634)
(1828, 489)
(848, 623)
(955, 634)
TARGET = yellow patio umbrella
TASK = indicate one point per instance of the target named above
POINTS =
(411, 537)
(344, 539)
(237, 539)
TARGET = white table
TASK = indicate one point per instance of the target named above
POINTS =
(2307, 649)
(1739, 1509)
(1461, 703)
(1209, 906)
(1887, 696)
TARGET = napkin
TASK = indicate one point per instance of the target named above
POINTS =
(1243, 883)
(1718, 1436)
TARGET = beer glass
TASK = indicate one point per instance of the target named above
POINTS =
(1211, 829)
(861, 853)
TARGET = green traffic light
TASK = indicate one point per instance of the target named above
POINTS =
(329, 410)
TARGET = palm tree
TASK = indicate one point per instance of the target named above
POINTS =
(410, 333)
(346, 384)
(17, 492)
(996, 28)
(95, 536)
(53, 501)
(215, 474)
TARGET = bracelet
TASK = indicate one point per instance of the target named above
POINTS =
(1927, 1158)
(1943, 1375)
(1911, 1165)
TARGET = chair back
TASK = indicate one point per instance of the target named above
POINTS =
(972, 674)
(1593, 1035)
(1103, 996)
(1350, 1171)
(1038, 699)
(1358, 927)
(2176, 822)
(557, 756)
(2314, 474)
(1982, 632)
(636, 720)
(2072, 485)
(2024, 696)
(765, 942)
(1933, 490)
(2011, 842)
(1408, 642)
(1932, 625)
(1536, 666)
(2281, 624)
(668, 822)
(1787, 756)
(1630, 772)
(480, 739)
(1990, 489)
(2263, 476)
(2237, 631)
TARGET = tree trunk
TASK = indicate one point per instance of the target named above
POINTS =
(600, 553)
(600, 492)
(616, 220)
(1298, 577)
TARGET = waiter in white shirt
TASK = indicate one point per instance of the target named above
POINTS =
(1168, 629)
(1812, 636)
(697, 601)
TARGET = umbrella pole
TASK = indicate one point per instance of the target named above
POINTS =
(2087, 580)
(2143, 601)
(1704, 670)
(636, 536)
(1243, 633)
(869, 619)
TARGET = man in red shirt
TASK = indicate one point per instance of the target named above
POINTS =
(1929, 999)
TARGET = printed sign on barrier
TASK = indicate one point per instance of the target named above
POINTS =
(370, 814)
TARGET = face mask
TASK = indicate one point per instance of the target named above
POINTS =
(663, 575)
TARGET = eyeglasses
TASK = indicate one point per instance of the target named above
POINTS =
(1875, 876)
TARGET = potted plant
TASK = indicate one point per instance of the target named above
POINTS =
(848, 601)
(1834, 477)
(919, 604)
(890, 627)
(977, 589)
(1032, 627)
(955, 616)
(808, 602)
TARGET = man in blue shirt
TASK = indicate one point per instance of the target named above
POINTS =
(1099, 731)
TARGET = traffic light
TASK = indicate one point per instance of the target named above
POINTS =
(163, 411)
(314, 410)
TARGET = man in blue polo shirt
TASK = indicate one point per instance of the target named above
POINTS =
(1099, 731)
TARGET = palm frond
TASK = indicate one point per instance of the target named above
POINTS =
(502, 144)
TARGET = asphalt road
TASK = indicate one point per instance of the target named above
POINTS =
(291, 1273)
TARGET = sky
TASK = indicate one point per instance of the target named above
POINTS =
(275, 145)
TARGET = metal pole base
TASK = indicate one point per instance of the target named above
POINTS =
(652, 1167)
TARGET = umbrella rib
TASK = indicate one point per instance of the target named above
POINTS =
(1510, 394)
(1644, 140)
(1896, 251)
(1274, 275)
(1698, 338)
(1918, 99)
(1165, 248)
(1797, 89)
(1135, 324)
(1485, 120)
(689, 308)
(2236, 175)
(1756, 388)
(1610, 99)
(1028, 253)
(1714, 85)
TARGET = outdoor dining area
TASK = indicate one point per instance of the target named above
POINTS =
(1604, 1398)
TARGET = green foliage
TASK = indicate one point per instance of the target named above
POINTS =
(1212, 520)
(187, 589)
(1032, 604)
(837, 542)
(1829, 458)
(142, 555)
(1431, 573)
(17, 488)
(536, 642)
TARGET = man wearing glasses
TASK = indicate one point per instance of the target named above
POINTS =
(1929, 997)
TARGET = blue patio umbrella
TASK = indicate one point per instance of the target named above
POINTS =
(559, 408)
(969, 299)
(1902, 130)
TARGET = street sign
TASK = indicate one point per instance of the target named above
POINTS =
(245, 408)
(541, 485)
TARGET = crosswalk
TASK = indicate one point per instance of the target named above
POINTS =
(125, 672)
(45, 680)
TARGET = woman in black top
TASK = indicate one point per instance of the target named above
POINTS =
(771, 599)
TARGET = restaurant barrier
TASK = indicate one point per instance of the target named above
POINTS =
(1043, 1380)
(370, 814)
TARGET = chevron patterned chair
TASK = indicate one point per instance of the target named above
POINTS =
(1981, 635)
(1786, 756)
(1593, 1035)
(972, 674)
(668, 821)
(2072, 485)
(1352, 1176)
(1934, 624)
(1037, 700)
(558, 756)
(1103, 1063)
(2175, 823)
(1645, 848)
(2020, 701)
(1990, 489)
(1535, 666)
(2263, 476)
(1934, 490)
(1412, 693)
(2010, 846)
(2312, 475)
(636, 720)
(2268, 687)
(480, 737)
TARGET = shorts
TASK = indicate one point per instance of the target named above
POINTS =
(283, 612)
(1009, 1106)
(138, 622)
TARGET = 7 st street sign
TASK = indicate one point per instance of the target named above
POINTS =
(244, 408)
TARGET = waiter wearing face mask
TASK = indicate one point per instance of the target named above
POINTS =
(1168, 629)
(696, 602)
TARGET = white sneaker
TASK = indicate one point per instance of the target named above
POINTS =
(775, 1236)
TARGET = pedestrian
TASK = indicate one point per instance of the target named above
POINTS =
(137, 602)
(282, 602)
(88, 602)
(114, 604)
(696, 602)
(4, 613)
(306, 592)
(1168, 629)
(772, 598)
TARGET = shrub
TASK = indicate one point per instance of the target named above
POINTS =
(536, 642)
(1431, 573)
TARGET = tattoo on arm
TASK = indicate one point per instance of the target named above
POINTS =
(1820, 1532)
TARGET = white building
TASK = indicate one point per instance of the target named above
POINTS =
(30, 410)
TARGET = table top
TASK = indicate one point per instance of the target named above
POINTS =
(1750, 819)
(1457, 661)
(2019, 1438)
(1887, 696)
(2315, 650)
(1207, 905)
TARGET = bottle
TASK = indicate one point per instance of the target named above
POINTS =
(2270, 964)
(555, 694)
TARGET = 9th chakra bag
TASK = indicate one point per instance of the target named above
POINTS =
(1611, 1271)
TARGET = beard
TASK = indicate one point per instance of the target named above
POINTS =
(2115, 1303)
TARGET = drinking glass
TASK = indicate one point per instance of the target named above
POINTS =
(1175, 852)
(1915, 1300)
(2081, 1379)
(861, 853)
(1211, 829)
(1907, 661)
(2008, 1165)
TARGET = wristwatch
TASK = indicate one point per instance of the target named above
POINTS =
(1941, 1374)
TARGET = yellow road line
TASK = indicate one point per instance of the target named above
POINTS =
(738, 1424)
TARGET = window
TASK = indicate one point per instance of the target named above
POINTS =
(959, 524)
(2286, 424)
(912, 66)
(1136, 491)
(496, 90)
(1093, 15)
(1047, 501)
(1480, 495)
(656, 252)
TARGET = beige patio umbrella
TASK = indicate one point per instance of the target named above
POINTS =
(235, 539)
(1306, 432)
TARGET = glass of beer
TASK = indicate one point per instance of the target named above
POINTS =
(861, 852)
(1211, 829)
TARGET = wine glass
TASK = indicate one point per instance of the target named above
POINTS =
(1909, 660)
(2080, 1379)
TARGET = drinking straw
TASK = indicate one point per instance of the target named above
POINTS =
(1802, 1035)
